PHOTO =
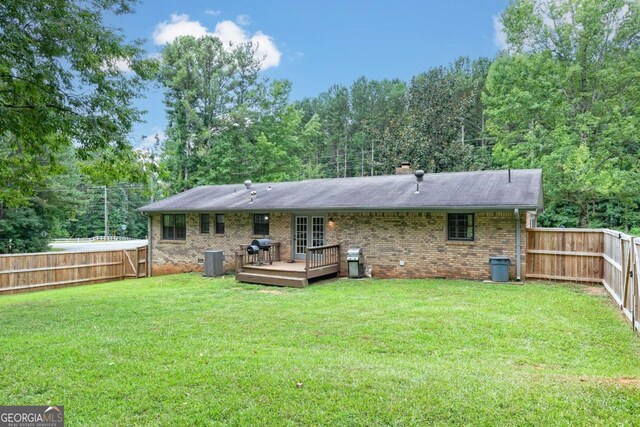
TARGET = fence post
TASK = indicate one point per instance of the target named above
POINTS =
(137, 264)
(634, 278)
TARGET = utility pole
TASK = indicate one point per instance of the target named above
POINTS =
(482, 129)
(346, 149)
(345, 158)
(106, 214)
(371, 158)
(125, 193)
(462, 134)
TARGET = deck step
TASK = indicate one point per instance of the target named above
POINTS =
(266, 279)
(271, 271)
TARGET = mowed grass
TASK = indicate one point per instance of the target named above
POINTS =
(187, 350)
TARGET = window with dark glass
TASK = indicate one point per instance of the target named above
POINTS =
(460, 226)
(261, 224)
(220, 224)
(174, 227)
(204, 223)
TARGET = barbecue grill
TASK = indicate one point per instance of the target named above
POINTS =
(355, 262)
(260, 247)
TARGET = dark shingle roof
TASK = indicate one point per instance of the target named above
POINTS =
(461, 190)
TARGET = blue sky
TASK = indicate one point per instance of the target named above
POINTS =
(316, 44)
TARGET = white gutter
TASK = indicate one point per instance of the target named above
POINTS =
(516, 212)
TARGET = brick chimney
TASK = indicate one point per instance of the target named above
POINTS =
(404, 169)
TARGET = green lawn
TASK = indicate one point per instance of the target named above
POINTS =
(186, 350)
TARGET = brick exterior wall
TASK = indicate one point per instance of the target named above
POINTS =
(418, 239)
(177, 256)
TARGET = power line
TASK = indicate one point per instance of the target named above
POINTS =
(91, 187)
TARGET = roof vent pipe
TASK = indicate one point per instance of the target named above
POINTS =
(419, 178)
(247, 184)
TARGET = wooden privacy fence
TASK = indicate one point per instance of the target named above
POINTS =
(589, 255)
(47, 270)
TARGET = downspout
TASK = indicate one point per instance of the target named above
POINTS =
(516, 212)
(149, 246)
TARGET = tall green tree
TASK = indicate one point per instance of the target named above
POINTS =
(335, 118)
(61, 82)
(443, 122)
(349, 123)
(565, 97)
(375, 106)
(226, 123)
(211, 93)
(23, 229)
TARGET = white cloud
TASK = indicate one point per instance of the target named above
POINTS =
(499, 36)
(266, 50)
(213, 12)
(180, 25)
(243, 20)
(229, 32)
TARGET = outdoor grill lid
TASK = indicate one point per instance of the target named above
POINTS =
(262, 243)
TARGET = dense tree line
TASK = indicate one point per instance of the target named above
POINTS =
(226, 125)
(562, 96)
(566, 98)
(72, 204)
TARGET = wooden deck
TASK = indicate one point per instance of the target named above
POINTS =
(321, 261)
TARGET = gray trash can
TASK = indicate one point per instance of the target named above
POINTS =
(499, 268)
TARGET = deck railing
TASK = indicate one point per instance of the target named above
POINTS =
(321, 256)
(243, 258)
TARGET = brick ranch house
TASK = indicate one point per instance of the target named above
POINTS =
(448, 228)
